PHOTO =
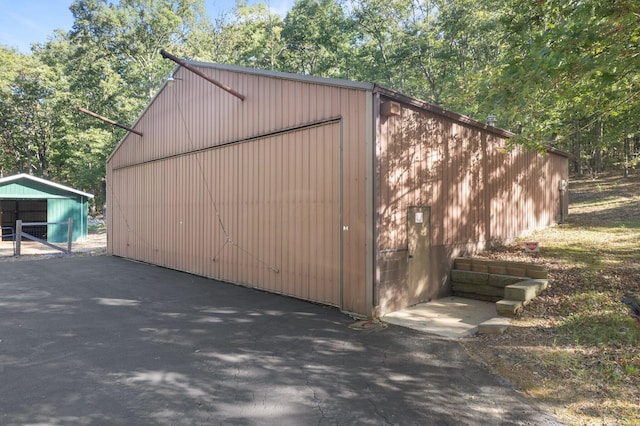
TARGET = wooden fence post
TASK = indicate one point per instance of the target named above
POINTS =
(18, 236)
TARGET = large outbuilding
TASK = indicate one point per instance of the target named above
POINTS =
(339, 192)
(32, 199)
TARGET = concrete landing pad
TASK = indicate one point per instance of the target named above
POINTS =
(453, 317)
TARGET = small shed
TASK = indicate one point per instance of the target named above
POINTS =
(32, 199)
(339, 192)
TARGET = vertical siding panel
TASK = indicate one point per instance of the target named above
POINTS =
(296, 178)
(156, 210)
(270, 220)
(183, 200)
(264, 209)
(258, 114)
(149, 213)
(228, 176)
(278, 245)
(203, 206)
(289, 222)
(334, 224)
(275, 104)
(181, 223)
(240, 212)
(298, 221)
(144, 215)
(259, 213)
(223, 177)
(178, 205)
(284, 222)
(355, 206)
(210, 224)
(312, 217)
(320, 216)
(229, 214)
(270, 199)
(254, 211)
(234, 215)
(217, 231)
(307, 276)
(248, 225)
(196, 210)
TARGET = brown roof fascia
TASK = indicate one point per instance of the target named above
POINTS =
(552, 150)
(389, 93)
(400, 97)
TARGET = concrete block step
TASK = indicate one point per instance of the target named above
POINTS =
(525, 290)
(509, 308)
(501, 267)
(471, 277)
(476, 296)
(505, 280)
(496, 325)
(480, 289)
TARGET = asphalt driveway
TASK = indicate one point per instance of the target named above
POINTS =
(102, 340)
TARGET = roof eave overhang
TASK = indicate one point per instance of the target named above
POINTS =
(400, 97)
(44, 182)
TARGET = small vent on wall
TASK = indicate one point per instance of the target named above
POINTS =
(390, 108)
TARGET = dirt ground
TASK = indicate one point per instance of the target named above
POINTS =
(95, 244)
(574, 349)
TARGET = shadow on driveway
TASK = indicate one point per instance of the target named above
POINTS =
(102, 340)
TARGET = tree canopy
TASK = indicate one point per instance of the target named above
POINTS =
(564, 73)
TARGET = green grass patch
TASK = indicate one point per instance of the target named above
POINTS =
(579, 335)
(602, 329)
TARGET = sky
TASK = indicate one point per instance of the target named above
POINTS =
(24, 22)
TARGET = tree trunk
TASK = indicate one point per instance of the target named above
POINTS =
(598, 153)
(577, 160)
(626, 155)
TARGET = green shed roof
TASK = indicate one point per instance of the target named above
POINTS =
(54, 190)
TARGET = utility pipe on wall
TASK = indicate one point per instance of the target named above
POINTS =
(167, 55)
(107, 120)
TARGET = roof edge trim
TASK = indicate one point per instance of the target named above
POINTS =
(288, 76)
(441, 111)
(551, 150)
(142, 113)
(44, 182)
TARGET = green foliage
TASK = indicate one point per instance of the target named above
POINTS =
(108, 63)
(317, 35)
(555, 72)
(570, 73)
(29, 112)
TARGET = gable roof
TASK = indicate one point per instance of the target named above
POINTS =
(337, 82)
(43, 182)
(364, 86)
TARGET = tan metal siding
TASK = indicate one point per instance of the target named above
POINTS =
(525, 190)
(263, 213)
(193, 115)
(478, 192)
(425, 160)
(355, 209)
